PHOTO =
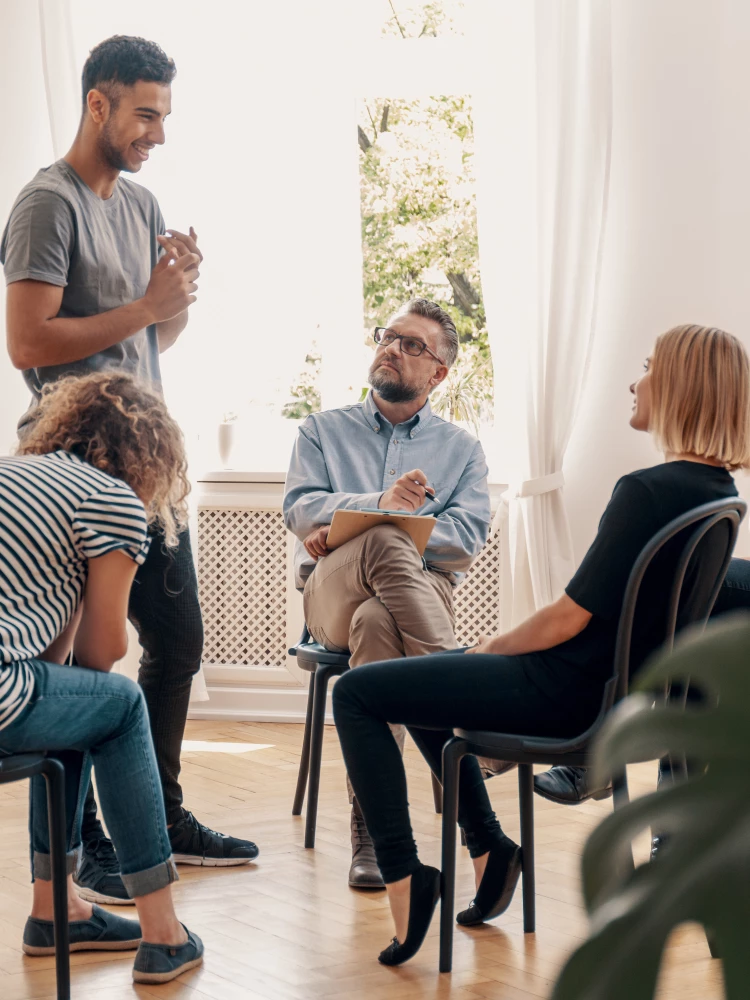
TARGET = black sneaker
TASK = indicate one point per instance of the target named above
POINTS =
(194, 844)
(97, 877)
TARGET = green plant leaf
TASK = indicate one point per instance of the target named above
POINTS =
(703, 872)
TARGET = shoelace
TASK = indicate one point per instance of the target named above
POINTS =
(103, 851)
(202, 830)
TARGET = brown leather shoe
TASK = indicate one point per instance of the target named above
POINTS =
(364, 872)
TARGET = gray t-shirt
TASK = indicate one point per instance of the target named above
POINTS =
(100, 252)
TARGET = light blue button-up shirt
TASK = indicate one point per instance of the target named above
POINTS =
(347, 458)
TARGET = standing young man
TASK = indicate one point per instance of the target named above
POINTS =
(88, 290)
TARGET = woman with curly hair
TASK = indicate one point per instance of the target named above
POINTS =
(101, 463)
(546, 676)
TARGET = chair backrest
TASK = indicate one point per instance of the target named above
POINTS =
(699, 572)
(700, 567)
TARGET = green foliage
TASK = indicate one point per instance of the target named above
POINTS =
(419, 20)
(419, 231)
(306, 393)
(419, 228)
(466, 394)
(704, 872)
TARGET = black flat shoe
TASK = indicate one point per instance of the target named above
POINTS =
(423, 897)
(497, 886)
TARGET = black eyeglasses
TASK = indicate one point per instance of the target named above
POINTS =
(409, 345)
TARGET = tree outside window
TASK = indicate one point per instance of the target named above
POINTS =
(419, 229)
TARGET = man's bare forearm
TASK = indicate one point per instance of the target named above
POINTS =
(61, 340)
(168, 331)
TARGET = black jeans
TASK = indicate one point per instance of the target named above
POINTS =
(431, 695)
(165, 611)
(735, 591)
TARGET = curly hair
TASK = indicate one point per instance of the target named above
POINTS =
(123, 60)
(120, 426)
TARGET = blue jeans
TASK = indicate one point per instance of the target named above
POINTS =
(84, 717)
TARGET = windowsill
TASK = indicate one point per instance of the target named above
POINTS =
(246, 476)
(240, 476)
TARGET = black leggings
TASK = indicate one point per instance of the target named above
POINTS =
(431, 695)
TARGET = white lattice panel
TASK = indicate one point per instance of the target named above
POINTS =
(242, 580)
(477, 597)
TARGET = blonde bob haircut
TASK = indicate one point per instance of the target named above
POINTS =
(121, 427)
(700, 395)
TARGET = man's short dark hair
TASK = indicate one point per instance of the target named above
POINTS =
(123, 60)
(431, 310)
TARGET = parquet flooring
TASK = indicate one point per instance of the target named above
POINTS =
(289, 927)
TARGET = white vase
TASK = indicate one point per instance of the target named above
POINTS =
(226, 444)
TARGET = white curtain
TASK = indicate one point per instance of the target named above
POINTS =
(61, 75)
(544, 126)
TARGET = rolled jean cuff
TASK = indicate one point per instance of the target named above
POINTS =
(43, 865)
(151, 879)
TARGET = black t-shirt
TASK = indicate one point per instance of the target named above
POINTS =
(642, 503)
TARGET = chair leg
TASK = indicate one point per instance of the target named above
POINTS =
(620, 789)
(304, 763)
(55, 777)
(322, 675)
(453, 751)
(437, 793)
(621, 798)
(526, 802)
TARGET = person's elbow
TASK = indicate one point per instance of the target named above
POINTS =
(20, 349)
(103, 653)
(572, 618)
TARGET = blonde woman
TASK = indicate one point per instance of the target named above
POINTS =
(544, 677)
(102, 461)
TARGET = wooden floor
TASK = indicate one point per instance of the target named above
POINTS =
(289, 928)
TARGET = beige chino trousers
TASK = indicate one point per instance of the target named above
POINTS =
(374, 597)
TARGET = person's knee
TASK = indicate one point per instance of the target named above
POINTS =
(386, 540)
(346, 693)
(371, 618)
(127, 693)
(178, 647)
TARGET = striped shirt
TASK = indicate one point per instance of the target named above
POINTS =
(56, 513)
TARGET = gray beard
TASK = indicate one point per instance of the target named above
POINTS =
(392, 392)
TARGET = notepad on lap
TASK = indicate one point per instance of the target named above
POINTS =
(347, 524)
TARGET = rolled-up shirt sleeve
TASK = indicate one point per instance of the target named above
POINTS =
(463, 526)
(309, 499)
(39, 240)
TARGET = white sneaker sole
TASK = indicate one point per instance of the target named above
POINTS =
(37, 951)
(92, 896)
(165, 977)
(193, 859)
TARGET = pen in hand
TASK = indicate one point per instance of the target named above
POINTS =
(428, 496)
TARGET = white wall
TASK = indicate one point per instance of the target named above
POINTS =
(26, 145)
(676, 247)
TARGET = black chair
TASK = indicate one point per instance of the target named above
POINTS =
(700, 566)
(16, 767)
(322, 664)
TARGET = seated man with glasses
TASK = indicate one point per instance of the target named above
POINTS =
(375, 595)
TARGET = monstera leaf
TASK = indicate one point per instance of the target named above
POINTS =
(703, 873)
